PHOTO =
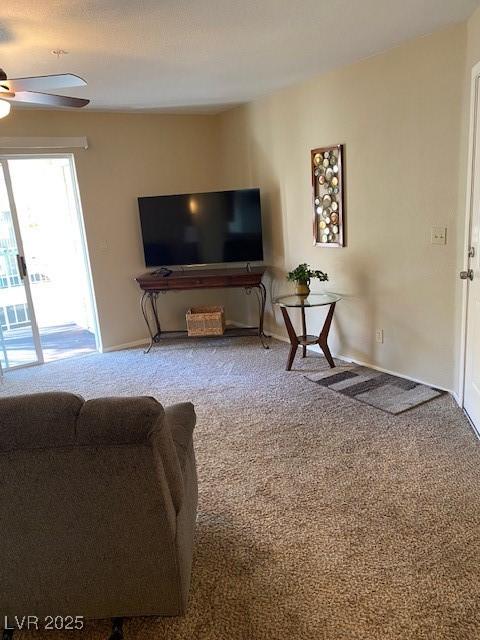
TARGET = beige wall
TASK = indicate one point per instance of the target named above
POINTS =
(128, 156)
(400, 116)
(473, 40)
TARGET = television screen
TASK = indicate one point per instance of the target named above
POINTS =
(202, 228)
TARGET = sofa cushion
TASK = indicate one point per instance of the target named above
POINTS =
(38, 420)
(118, 420)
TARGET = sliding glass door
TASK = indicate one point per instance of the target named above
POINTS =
(51, 226)
(19, 337)
(47, 308)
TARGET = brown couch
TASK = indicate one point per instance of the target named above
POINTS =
(98, 504)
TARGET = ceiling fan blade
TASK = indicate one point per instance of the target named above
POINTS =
(39, 83)
(47, 99)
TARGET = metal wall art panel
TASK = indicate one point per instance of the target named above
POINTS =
(327, 193)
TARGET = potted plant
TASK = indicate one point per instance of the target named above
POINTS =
(302, 276)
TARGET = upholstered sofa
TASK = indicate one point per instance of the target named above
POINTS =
(97, 506)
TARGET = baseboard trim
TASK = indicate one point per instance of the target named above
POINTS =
(367, 364)
(457, 399)
(392, 373)
(126, 345)
(472, 426)
(276, 336)
(270, 334)
(145, 341)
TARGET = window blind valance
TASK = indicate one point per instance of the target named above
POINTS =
(16, 142)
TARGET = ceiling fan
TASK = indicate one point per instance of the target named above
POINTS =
(31, 91)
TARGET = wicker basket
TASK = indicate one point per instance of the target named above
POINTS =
(206, 321)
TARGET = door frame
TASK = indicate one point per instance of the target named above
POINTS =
(474, 123)
(4, 157)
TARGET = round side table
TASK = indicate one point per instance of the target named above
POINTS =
(307, 302)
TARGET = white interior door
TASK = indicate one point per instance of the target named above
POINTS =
(471, 276)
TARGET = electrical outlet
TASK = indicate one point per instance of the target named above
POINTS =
(439, 235)
(379, 336)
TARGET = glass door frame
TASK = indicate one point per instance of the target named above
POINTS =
(24, 276)
(4, 158)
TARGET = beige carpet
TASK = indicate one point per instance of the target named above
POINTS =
(319, 517)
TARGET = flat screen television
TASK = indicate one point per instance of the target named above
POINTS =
(202, 228)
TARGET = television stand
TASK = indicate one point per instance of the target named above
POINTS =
(163, 271)
(154, 285)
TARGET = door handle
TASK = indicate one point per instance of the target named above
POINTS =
(22, 266)
(466, 275)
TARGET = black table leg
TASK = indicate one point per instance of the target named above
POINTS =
(144, 306)
(149, 300)
(262, 302)
(117, 629)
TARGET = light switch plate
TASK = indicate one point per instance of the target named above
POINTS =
(439, 235)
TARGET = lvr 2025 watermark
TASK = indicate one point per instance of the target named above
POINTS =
(49, 623)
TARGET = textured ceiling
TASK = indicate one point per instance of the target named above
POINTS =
(157, 54)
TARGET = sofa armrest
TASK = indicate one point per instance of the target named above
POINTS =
(181, 420)
(171, 444)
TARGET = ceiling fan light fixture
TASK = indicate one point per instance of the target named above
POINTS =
(4, 108)
(32, 91)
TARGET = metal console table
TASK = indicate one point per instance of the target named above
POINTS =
(155, 285)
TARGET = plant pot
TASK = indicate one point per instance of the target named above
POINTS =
(302, 289)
